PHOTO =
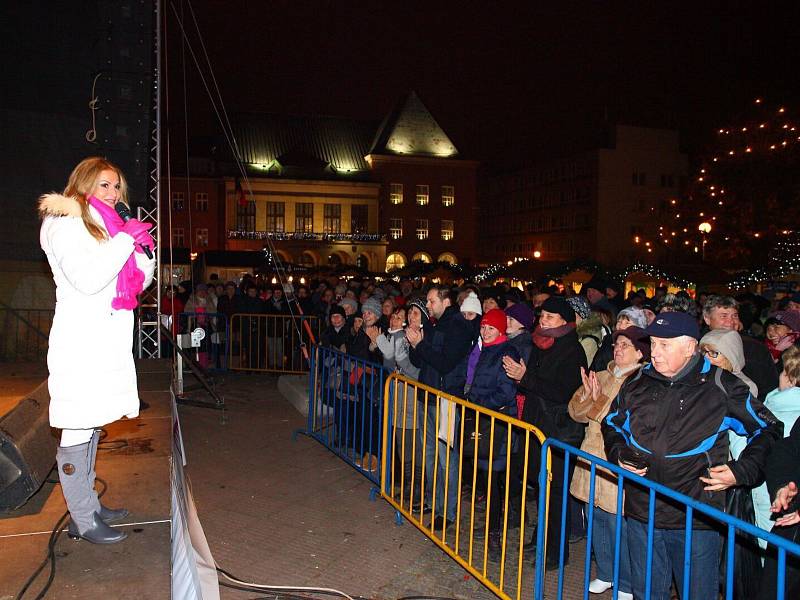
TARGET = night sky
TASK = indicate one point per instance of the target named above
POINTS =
(508, 85)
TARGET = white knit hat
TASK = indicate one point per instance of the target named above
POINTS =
(471, 304)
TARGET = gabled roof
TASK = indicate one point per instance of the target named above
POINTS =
(333, 143)
(410, 129)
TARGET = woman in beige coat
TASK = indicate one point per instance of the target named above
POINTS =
(590, 404)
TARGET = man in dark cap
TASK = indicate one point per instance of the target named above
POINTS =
(670, 424)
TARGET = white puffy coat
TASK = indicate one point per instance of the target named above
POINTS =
(90, 358)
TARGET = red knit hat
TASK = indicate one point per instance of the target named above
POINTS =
(496, 318)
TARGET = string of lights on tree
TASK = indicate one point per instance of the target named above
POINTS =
(784, 261)
(715, 207)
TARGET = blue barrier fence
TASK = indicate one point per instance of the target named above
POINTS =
(731, 524)
(345, 411)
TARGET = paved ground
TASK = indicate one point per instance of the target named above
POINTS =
(288, 512)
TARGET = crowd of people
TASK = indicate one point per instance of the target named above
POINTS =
(696, 393)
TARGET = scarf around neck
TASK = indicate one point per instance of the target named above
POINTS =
(545, 338)
(130, 279)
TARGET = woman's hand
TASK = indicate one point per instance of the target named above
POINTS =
(414, 336)
(139, 232)
(372, 333)
(591, 386)
(515, 370)
(784, 497)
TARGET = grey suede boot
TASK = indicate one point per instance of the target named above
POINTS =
(73, 468)
(109, 515)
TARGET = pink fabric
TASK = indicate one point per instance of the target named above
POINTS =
(131, 278)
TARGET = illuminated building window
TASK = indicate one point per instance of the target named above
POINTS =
(359, 214)
(275, 217)
(332, 218)
(422, 195)
(448, 257)
(448, 195)
(246, 216)
(396, 193)
(396, 229)
(422, 256)
(304, 217)
(177, 201)
(201, 237)
(201, 202)
(178, 237)
(395, 261)
(422, 229)
(447, 229)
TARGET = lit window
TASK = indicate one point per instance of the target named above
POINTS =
(448, 257)
(423, 257)
(332, 218)
(395, 261)
(177, 201)
(396, 229)
(422, 229)
(396, 193)
(201, 237)
(201, 202)
(275, 217)
(178, 237)
(448, 195)
(422, 194)
(447, 229)
(304, 217)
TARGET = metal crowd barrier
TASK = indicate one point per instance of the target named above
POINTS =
(271, 343)
(425, 427)
(730, 523)
(345, 408)
(24, 334)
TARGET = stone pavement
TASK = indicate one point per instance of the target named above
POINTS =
(284, 512)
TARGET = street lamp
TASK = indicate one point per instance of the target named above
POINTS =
(705, 229)
(537, 254)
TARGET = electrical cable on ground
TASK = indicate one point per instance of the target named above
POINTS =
(284, 588)
(51, 554)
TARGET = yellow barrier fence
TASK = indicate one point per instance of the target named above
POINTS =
(271, 343)
(446, 451)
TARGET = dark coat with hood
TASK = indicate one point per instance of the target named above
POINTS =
(681, 425)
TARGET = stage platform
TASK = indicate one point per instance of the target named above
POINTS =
(134, 459)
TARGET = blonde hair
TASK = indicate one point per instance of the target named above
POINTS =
(791, 364)
(81, 184)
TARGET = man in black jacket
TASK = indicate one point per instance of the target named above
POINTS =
(670, 424)
(441, 355)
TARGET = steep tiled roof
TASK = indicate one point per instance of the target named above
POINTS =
(410, 129)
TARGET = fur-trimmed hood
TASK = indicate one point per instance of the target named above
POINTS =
(56, 205)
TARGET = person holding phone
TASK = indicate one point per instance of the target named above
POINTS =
(670, 423)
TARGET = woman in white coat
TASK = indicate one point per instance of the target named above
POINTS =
(99, 268)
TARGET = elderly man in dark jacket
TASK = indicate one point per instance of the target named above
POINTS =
(670, 424)
(441, 355)
(548, 381)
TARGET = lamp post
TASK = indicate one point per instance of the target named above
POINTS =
(705, 229)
